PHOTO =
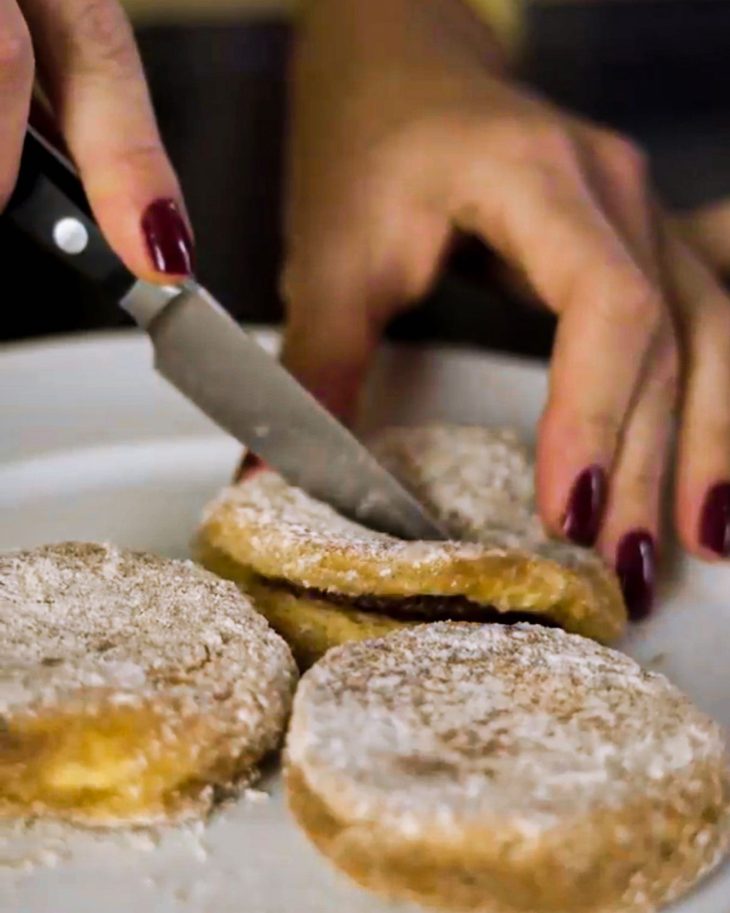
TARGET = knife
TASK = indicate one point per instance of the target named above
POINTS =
(204, 353)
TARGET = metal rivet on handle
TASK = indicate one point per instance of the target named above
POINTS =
(70, 235)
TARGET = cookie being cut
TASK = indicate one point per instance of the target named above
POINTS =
(506, 770)
(133, 689)
(322, 579)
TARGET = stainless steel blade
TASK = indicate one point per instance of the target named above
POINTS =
(203, 352)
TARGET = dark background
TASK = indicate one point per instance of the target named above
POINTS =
(660, 71)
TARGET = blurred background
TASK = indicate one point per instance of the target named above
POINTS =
(656, 69)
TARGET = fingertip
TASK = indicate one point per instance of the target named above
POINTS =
(148, 230)
(686, 521)
(250, 465)
(635, 563)
(702, 517)
(629, 543)
(713, 528)
(571, 487)
(168, 239)
(135, 195)
(548, 477)
(583, 514)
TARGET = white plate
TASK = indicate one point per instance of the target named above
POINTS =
(94, 446)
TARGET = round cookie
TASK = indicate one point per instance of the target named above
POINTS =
(310, 626)
(133, 688)
(322, 579)
(506, 770)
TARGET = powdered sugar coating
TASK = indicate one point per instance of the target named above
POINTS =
(94, 616)
(444, 726)
(478, 481)
(279, 518)
(269, 501)
(95, 623)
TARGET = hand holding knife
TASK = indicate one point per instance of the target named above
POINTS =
(203, 352)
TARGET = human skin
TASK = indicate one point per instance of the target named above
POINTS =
(709, 229)
(408, 129)
(81, 57)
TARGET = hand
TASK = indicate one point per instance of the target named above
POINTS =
(90, 72)
(708, 229)
(406, 130)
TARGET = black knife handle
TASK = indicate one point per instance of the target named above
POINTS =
(49, 206)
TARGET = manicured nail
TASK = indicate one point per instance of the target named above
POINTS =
(168, 239)
(583, 516)
(715, 520)
(636, 570)
(249, 466)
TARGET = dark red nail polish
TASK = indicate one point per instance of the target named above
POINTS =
(249, 465)
(583, 516)
(636, 570)
(168, 239)
(715, 520)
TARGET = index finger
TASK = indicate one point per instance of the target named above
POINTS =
(16, 81)
(553, 228)
(93, 77)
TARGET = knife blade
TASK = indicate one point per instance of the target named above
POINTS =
(211, 360)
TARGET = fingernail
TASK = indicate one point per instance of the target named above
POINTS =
(583, 516)
(168, 239)
(636, 570)
(715, 520)
(249, 466)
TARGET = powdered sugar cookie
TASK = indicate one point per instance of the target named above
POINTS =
(132, 688)
(322, 579)
(506, 769)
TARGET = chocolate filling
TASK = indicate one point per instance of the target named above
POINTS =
(414, 608)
